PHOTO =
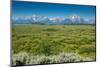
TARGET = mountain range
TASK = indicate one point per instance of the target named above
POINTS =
(37, 19)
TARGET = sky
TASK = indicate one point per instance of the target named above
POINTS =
(22, 8)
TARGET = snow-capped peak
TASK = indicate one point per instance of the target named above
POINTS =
(38, 19)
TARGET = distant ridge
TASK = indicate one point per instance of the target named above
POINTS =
(37, 19)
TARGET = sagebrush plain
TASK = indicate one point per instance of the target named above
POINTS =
(46, 44)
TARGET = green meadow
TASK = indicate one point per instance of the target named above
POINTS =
(46, 44)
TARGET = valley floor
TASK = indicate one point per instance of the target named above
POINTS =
(45, 44)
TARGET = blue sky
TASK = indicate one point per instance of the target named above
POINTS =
(20, 8)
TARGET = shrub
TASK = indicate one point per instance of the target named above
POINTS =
(23, 58)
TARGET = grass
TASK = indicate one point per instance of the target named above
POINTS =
(47, 41)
